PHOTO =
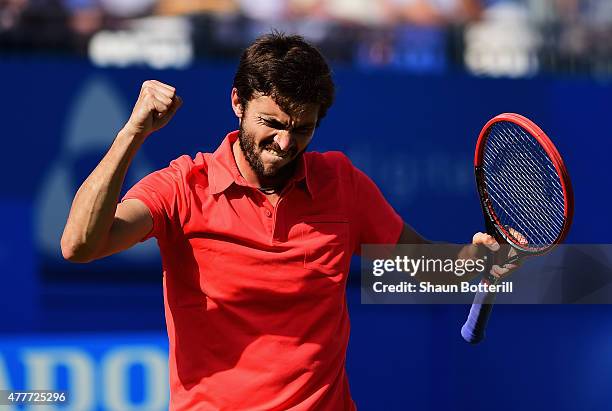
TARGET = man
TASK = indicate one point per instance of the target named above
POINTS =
(255, 238)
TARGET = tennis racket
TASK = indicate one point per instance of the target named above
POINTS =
(526, 198)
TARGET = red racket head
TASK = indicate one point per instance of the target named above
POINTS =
(524, 186)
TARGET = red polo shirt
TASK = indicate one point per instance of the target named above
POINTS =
(255, 294)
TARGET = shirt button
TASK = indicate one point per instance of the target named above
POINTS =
(268, 213)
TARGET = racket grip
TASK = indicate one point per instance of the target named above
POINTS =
(473, 331)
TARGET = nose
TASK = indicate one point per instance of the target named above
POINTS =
(284, 140)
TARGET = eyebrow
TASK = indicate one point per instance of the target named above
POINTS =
(271, 118)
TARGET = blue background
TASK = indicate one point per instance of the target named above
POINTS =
(414, 135)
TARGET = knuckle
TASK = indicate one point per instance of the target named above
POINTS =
(478, 237)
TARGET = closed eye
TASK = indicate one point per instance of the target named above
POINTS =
(274, 124)
(277, 125)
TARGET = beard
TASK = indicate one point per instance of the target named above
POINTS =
(252, 152)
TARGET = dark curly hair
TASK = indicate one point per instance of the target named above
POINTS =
(287, 69)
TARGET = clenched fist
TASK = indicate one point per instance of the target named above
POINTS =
(154, 108)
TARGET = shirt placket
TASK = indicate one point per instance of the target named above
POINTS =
(268, 218)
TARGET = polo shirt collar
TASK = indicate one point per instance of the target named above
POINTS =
(223, 170)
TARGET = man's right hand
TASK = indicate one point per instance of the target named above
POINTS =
(97, 226)
(156, 105)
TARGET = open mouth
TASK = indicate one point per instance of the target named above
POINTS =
(277, 154)
(274, 156)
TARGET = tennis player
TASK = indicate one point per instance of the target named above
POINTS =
(255, 238)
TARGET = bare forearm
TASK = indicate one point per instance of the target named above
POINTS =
(416, 246)
(89, 231)
(94, 205)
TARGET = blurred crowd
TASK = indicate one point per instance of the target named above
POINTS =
(491, 37)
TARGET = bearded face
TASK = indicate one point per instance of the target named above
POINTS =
(271, 140)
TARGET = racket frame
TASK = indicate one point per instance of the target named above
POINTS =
(493, 224)
(473, 331)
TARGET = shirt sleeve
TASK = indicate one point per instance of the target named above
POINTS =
(376, 221)
(162, 192)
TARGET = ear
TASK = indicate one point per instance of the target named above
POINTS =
(236, 106)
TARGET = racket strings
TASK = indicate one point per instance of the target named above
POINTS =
(535, 188)
(523, 185)
(536, 168)
(538, 231)
(526, 188)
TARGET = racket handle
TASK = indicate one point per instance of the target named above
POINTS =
(473, 331)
